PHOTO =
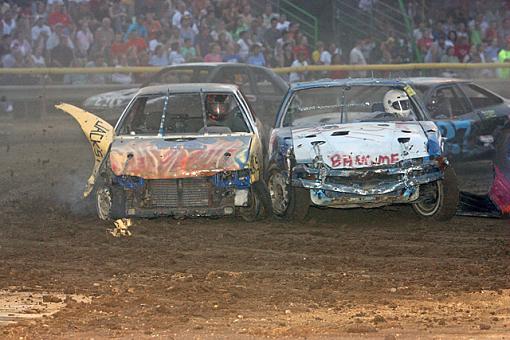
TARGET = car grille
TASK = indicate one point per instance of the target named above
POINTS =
(365, 182)
(193, 192)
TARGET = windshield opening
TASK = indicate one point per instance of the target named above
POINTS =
(350, 104)
(184, 113)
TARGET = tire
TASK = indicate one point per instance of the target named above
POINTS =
(502, 159)
(441, 205)
(259, 206)
(110, 203)
(288, 202)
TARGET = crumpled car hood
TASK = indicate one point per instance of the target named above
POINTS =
(167, 158)
(362, 145)
(114, 99)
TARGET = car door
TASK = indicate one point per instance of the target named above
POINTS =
(459, 124)
(488, 107)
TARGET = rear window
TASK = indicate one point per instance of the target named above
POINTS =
(181, 75)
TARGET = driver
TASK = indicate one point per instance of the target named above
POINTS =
(397, 103)
(217, 108)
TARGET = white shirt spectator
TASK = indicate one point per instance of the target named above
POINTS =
(153, 44)
(325, 58)
(175, 58)
(84, 39)
(244, 48)
(36, 31)
(295, 76)
(122, 78)
(9, 27)
(283, 26)
(38, 61)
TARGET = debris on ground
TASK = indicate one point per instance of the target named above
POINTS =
(121, 227)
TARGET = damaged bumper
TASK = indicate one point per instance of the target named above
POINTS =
(378, 186)
(217, 195)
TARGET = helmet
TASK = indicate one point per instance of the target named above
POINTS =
(216, 106)
(397, 103)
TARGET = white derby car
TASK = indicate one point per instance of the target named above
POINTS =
(357, 143)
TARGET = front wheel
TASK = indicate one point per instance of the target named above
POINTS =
(439, 200)
(110, 203)
(259, 203)
(288, 202)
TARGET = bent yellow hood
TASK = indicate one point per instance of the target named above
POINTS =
(99, 134)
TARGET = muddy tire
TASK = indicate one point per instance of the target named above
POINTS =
(259, 205)
(110, 203)
(439, 200)
(288, 202)
(502, 159)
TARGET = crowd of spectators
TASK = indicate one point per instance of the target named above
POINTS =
(94, 33)
(444, 32)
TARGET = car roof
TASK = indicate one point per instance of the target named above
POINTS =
(209, 65)
(428, 81)
(347, 82)
(188, 87)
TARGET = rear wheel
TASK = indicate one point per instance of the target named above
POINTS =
(439, 200)
(287, 201)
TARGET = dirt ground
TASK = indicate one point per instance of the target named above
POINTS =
(378, 274)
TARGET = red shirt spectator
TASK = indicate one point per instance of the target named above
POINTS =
(461, 48)
(137, 42)
(58, 16)
(119, 47)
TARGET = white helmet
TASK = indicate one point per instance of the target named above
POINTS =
(397, 102)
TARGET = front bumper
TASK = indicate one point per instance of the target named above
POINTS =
(366, 187)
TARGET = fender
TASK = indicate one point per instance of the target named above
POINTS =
(99, 134)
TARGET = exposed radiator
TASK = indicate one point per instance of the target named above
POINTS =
(192, 192)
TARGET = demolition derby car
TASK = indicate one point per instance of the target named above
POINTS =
(178, 150)
(474, 120)
(357, 143)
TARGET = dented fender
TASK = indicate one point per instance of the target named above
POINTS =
(99, 133)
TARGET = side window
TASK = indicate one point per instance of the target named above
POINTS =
(236, 76)
(264, 84)
(447, 102)
(479, 97)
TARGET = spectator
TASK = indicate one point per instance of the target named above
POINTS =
(188, 51)
(436, 51)
(118, 15)
(118, 47)
(186, 31)
(244, 43)
(272, 34)
(300, 61)
(39, 28)
(136, 42)
(231, 55)
(338, 74)
(283, 23)
(256, 56)
(214, 55)
(139, 27)
(84, 38)
(122, 78)
(179, 13)
(62, 55)
(153, 26)
(175, 57)
(203, 41)
(37, 59)
(461, 47)
(504, 57)
(268, 16)
(105, 33)
(8, 23)
(98, 78)
(160, 57)
(58, 15)
(356, 57)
